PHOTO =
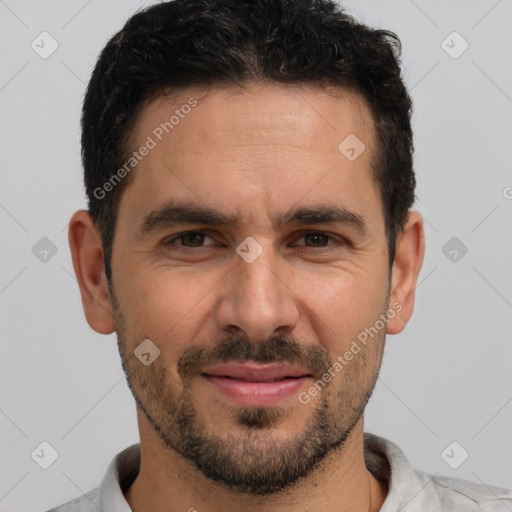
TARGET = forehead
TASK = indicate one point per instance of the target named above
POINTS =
(254, 147)
(308, 117)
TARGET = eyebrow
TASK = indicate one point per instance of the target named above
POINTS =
(174, 213)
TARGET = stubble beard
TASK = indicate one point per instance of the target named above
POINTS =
(254, 459)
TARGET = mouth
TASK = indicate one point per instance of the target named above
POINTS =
(256, 384)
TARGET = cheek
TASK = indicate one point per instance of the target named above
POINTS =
(343, 308)
(166, 303)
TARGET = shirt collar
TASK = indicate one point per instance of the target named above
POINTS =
(383, 458)
(406, 485)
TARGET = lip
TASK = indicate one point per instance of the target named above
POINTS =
(254, 372)
(256, 384)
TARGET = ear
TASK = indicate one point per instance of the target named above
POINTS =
(410, 248)
(88, 262)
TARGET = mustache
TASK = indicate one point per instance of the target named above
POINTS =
(278, 348)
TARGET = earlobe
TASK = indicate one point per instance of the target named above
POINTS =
(410, 248)
(88, 263)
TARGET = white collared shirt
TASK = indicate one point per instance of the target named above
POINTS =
(409, 489)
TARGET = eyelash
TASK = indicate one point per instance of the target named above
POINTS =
(171, 241)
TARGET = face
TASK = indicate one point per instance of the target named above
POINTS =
(252, 253)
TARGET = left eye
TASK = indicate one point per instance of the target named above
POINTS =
(316, 239)
(191, 239)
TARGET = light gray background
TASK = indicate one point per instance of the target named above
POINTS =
(446, 378)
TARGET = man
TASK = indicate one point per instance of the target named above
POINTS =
(249, 237)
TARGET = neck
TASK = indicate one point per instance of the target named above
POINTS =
(339, 483)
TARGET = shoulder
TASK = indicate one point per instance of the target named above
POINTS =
(455, 494)
(109, 497)
(415, 490)
(85, 503)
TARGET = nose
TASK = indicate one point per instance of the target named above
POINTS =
(258, 298)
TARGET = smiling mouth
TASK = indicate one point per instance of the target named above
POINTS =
(255, 379)
(256, 372)
(256, 384)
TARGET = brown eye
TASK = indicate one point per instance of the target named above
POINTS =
(316, 239)
(191, 239)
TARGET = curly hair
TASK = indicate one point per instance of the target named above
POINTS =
(210, 42)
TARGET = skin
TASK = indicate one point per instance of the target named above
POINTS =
(255, 152)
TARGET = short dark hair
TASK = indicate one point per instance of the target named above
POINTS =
(234, 42)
